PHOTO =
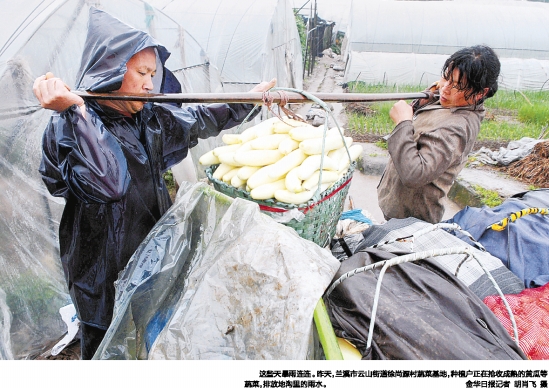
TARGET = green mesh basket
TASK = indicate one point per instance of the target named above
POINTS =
(320, 216)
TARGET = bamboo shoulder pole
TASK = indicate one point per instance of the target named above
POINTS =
(251, 97)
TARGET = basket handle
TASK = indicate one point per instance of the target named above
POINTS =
(239, 129)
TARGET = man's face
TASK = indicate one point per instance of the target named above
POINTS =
(450, 95)
(141, 68)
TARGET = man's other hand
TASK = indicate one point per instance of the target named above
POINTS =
(264, 86)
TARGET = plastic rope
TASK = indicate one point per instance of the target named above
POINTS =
(268, 101)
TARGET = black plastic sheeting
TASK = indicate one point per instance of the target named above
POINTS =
(424, 312)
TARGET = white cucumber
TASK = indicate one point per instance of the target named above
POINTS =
(221, 170)
(226, 148)
(314, 146)
(246, 172)
(343, 166)
(287, 125)
(293, 159)
(231, 138)
(267, 190)
(293, 183)
(236, 181)
(287, 196)
(355, 151)
(244, 147)
(338, 154)
(229, 175)
(306, 132)
(264, 130)
(288, 145)
(268, 142)
(257, 158)
(251, 133)
(334, 132)
(260, 177)
(312, 164)
(248, 134)
(327, 177)
(208, 159)
(228, 158)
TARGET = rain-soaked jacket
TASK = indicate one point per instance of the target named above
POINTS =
(427, 154)
(109, 167)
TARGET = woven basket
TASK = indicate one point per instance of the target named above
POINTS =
(321, 216)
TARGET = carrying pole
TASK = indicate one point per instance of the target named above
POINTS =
(250, 97)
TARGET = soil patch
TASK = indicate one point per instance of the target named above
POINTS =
(71, 351)
(501, 115)
(362, 108)
(364, 138)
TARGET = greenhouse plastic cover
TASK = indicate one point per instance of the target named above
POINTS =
(218, 279)
(40, 36)
(249, 41)
(407, 42)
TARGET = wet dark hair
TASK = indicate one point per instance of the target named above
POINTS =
(478, 69)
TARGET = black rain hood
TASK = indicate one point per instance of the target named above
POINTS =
(109, 46)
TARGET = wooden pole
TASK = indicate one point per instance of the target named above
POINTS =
(251, 97)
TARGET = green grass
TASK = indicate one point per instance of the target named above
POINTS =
(382, 144)
(501, 130)
(379, 123)
(489, 198)
(302, 30)
(534, 114)
(510, 115)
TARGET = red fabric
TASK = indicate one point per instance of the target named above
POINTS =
(531, 311)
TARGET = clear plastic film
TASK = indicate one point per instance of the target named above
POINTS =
(38, 37)
(413, 49)
(217, 279)
(249, 42)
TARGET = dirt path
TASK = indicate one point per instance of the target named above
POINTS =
(324, 79)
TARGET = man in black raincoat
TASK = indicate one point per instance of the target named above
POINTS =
(106, 158)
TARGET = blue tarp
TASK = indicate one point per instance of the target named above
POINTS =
(523, 246)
